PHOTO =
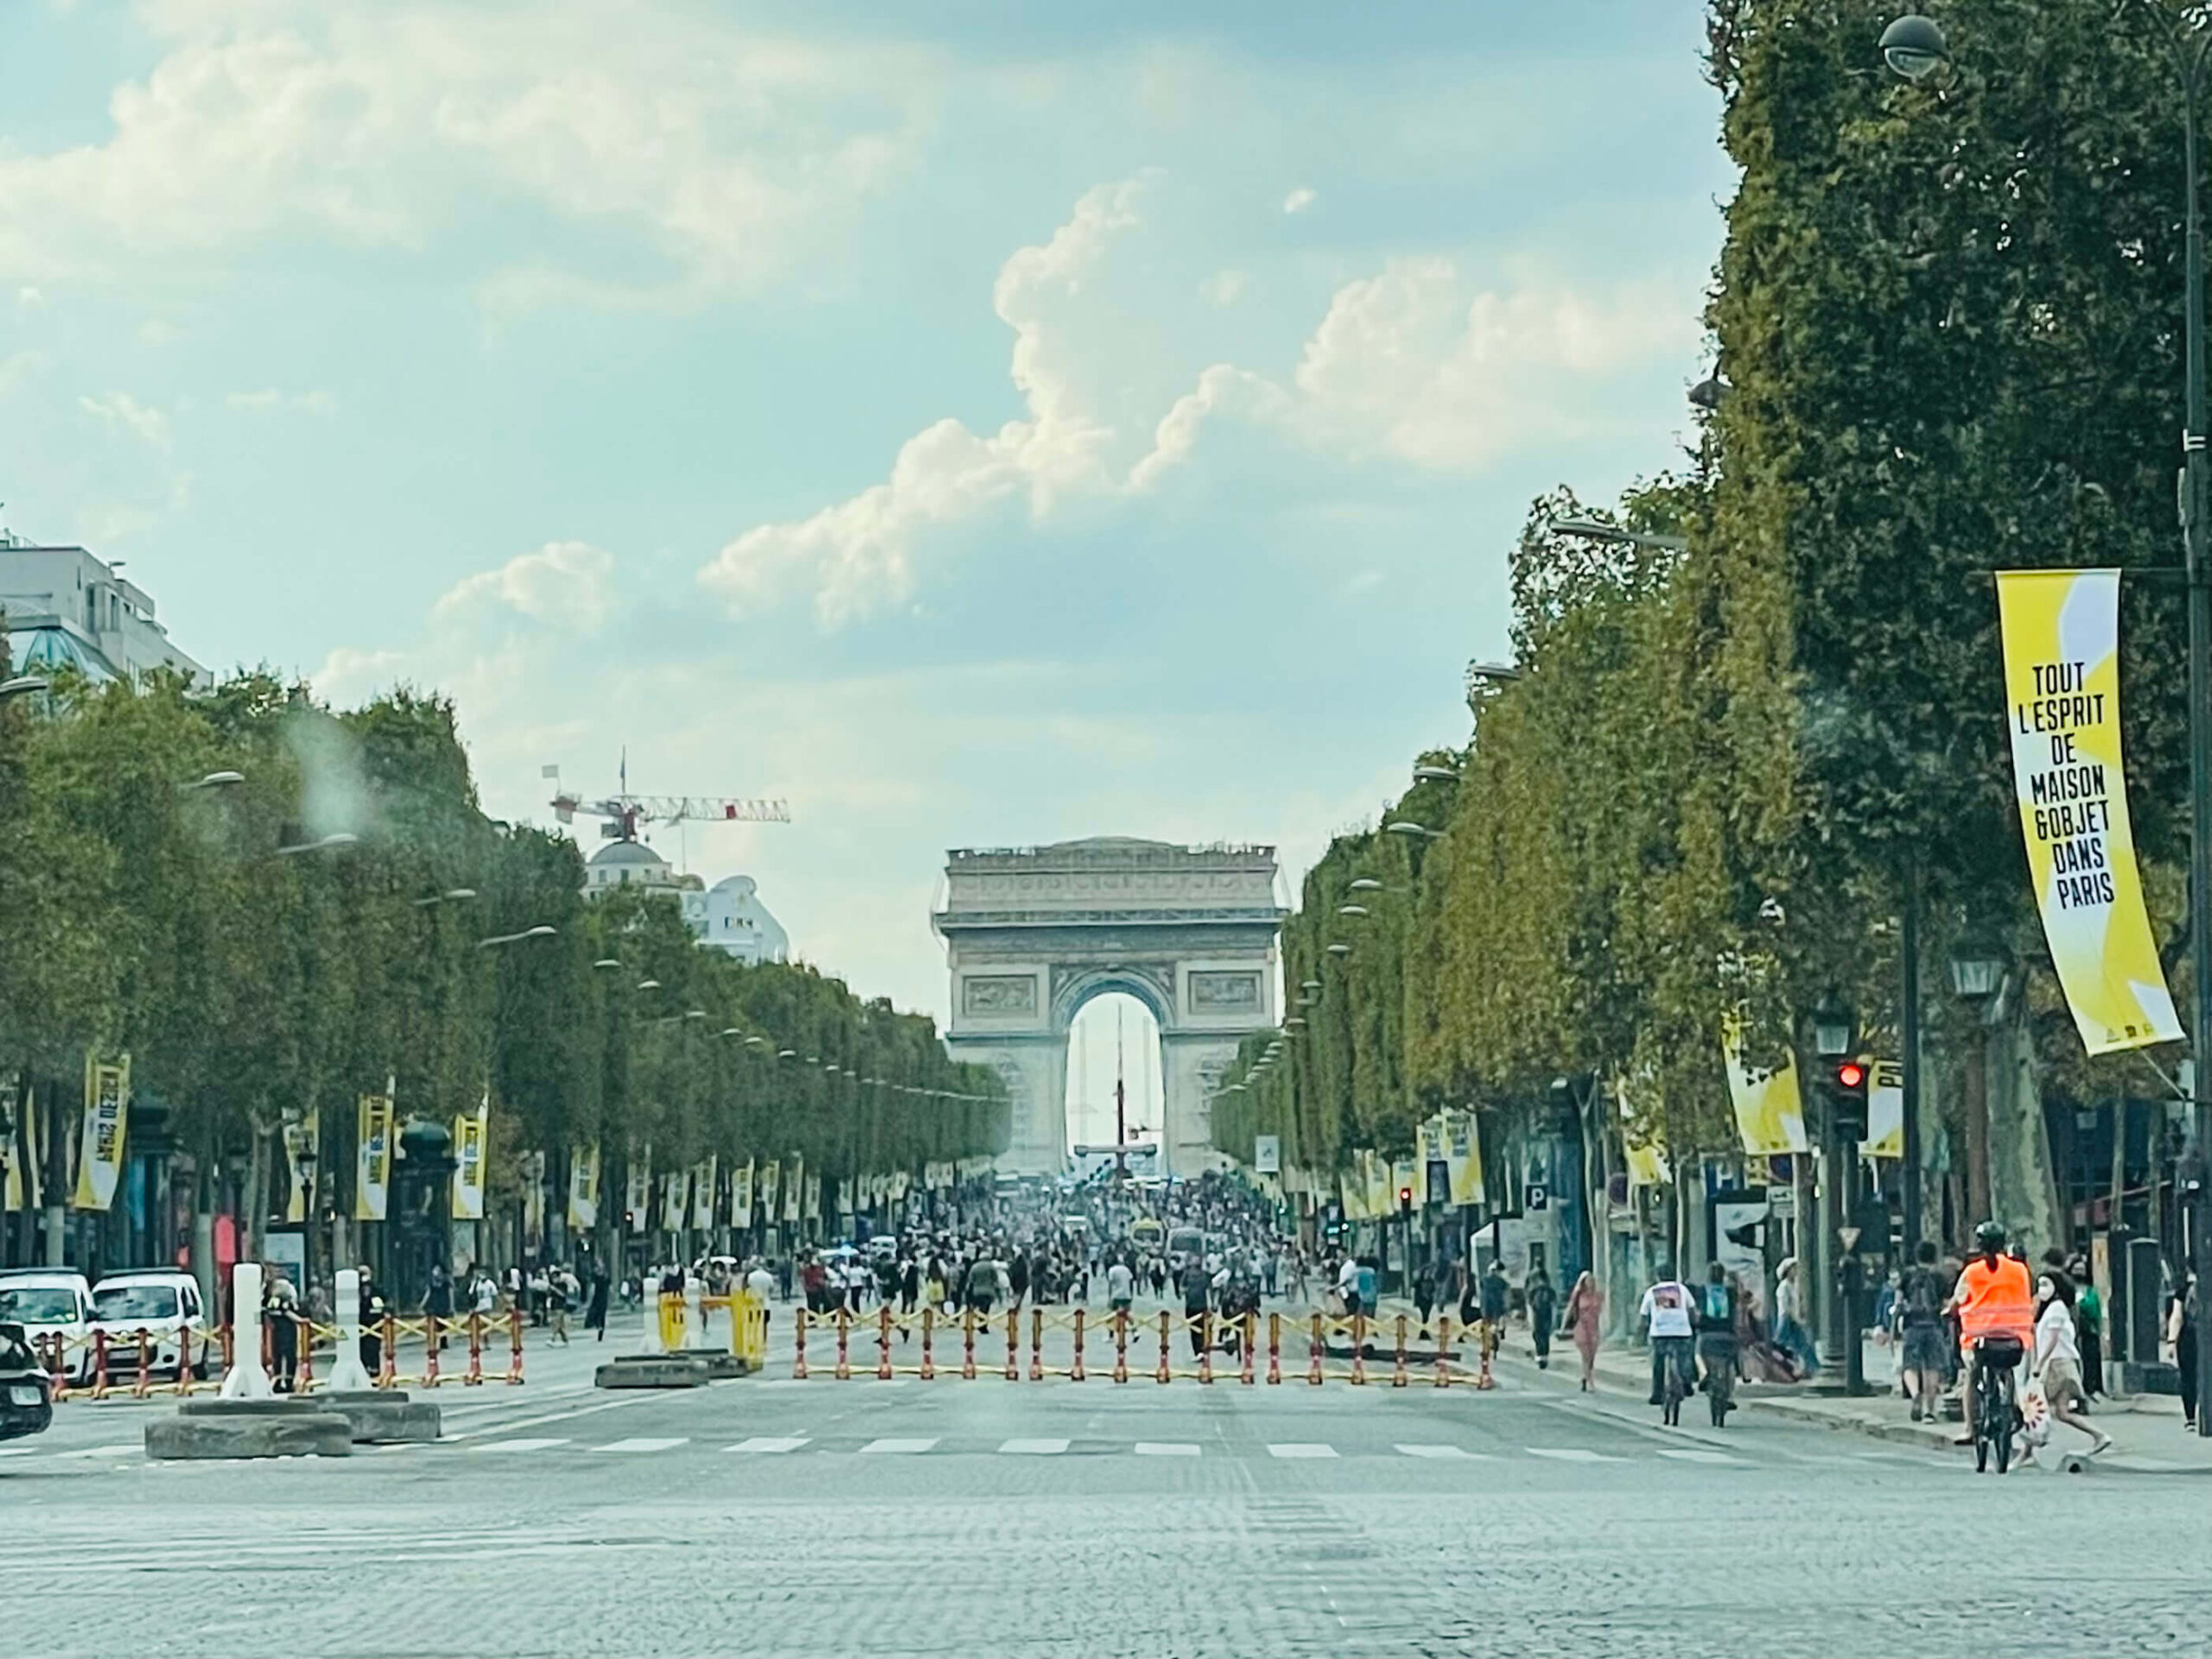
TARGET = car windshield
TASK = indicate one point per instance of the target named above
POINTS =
(135, 1302)
(38, 1304)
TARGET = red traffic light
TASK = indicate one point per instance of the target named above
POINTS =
(1405, 1195)
(1850, 1075)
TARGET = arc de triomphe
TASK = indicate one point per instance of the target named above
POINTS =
(1033, 934)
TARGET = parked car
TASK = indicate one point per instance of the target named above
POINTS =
(164, 1302)
(25, 1396)
(48, 1302)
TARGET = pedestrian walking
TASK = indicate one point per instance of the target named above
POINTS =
(1922, 1338)
(1790, 1332)
(2181, 1332)
(1424, 1296)
(1584, 1323)
(372, 1310)
(1543, 1303)
(2088, 1325)
(595, 1313)
(2058, 1356)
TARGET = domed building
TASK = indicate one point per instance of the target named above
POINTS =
(727, 917)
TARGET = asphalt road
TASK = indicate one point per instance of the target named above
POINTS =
(769, 1515)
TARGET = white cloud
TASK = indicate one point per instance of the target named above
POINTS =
(1414, 364)
(389, 124)
(159, 330)
(269, 401)
(563, 584)
(349, 676)
(28, 299)
(858, 554)
(120, 412)
(1298, 200)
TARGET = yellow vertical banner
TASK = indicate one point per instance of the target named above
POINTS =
(99, 1155)
(1380, 1200)
(21, 1149)
(583, 1188)
(794, 1189)
(2062, 693)
(638, 1195)
(814, 1198)
(1884, 1109)
(741, 1195)
(373, 1158)
(1769, 1113)
(1463, 1150)
(771, 1190)
(702, 1193)
(471, 1140)
(303, 1150)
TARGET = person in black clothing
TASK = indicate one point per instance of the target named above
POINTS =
(1198, 1290)
(1713, 1316)
(595, 1311)
(1017, 1279)
(1424, 1294)
(1543, 1305)
(1922, 1337)
(373, 1309)
(910, 1284)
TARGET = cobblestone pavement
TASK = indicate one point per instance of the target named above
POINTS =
(776, 1516)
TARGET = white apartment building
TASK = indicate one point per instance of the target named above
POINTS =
(66, 608)
(727, 917)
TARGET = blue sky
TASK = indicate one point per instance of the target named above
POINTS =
(981, 424)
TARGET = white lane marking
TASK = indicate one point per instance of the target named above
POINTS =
(1687, 1456)
(19, 1450)
(899, 1446)
(123, 1450)
(1572, 1454)
(770, 1443)
(641, 1397)
(1440, 1452)
(646, 1443)
(1034, 1448)
(1165, 1449)
(516, 1446)
(1300, 1449)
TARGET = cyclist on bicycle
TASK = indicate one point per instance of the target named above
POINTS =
(1994, 1298)
(1715, 1316)
(1666, 1311)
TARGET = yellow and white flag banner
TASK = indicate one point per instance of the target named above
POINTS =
(814, 1198)
(302, 1147)
(702, 1193)
(20, 1149)
(637, 1191)
(373, 1158)
(1463, 1153)
(470, 1138)
(583, 1188)
(2062, 693)
(794, 1189)
(99, 1155)
(1769, 1113)
(1884, 1109)
(772, 1193)
(740, 1195)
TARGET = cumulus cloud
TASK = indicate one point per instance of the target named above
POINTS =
(120, 412)
(858, 554)
(1298, 200)
(389, 123)
(563, 584)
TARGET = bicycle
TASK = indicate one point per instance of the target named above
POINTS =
(1994, 1408)
(1719, 1353)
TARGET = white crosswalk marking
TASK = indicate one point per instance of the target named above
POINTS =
(123, 1450)
(1572, 1454)
(17, 1451)
(1165, 1449)
(770, 1443)
(518, 1445)
(1440, 1452)
(898, 1445)
(1687, 1456)
(1035, 1448)
(645, 1444)
(1300, 1449)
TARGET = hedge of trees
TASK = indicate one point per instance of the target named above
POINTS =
(1946, 322)
(273, 907)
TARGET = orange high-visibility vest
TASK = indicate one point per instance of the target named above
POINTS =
(1995, 1300)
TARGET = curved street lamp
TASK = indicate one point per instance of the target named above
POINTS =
(1914, 46)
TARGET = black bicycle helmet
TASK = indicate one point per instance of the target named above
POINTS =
(1989, 1238)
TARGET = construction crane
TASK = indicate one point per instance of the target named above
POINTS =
(624, 812)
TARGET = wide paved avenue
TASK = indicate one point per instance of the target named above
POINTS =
(771, 1516)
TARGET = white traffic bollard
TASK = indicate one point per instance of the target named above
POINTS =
(246, 1380)
(347, 1375)
(649, 1299)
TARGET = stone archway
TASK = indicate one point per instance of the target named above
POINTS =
(1033, 933)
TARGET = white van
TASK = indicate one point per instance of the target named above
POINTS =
(48, 1302)
(164, 1303)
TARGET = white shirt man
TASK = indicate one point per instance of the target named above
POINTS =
(1121, 1285)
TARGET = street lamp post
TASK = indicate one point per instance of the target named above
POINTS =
(1915, 48)
(1835, 1036)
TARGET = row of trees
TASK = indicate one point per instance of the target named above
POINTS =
(273, 907)
(1948, 325)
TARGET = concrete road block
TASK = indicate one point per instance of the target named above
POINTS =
(250, 1434)
(653, 1371)
(382, 1416)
